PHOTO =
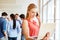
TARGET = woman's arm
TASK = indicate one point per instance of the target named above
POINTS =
(26, 30)
(39, 21)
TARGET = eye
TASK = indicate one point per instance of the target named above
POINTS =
(33, 12)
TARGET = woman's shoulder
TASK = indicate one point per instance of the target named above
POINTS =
(25, 21)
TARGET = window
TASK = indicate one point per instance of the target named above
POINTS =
(48, 12)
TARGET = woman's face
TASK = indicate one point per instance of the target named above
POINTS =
(32, 12)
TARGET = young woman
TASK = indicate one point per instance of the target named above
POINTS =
(31, 26)
(13, 28)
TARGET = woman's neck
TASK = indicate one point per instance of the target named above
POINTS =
(29, 18)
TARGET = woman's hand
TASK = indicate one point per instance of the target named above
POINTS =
(32, 38)
(29, 39)
(46, 37)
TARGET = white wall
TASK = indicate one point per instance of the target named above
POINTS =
(15, 6)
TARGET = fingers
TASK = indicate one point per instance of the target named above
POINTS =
(48, 34)
(46, 37)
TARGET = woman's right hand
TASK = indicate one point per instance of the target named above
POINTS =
(30, 38)
(46, 37)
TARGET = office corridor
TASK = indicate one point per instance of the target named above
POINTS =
(47, 9)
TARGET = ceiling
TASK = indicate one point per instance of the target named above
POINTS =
(7, 1)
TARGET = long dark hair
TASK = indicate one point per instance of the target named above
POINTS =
(14, 20)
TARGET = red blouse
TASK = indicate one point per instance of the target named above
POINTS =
(33, 28)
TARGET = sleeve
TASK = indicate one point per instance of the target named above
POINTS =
(4, 25)
(18, 28)
(20, 22)
(8, 27)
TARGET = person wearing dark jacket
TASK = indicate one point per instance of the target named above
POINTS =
(3, 23)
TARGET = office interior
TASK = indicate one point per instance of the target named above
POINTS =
(48, 10)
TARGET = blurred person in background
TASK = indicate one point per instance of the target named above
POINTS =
(22, 16)
(3, 23)
(17, 18)
(20, 22)
(13, 28)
